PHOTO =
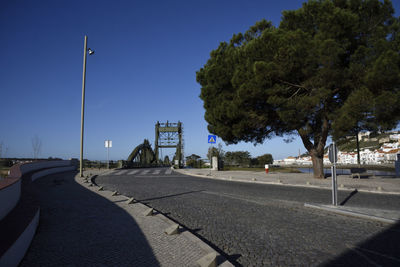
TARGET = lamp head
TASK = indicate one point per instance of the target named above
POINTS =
(91, 52)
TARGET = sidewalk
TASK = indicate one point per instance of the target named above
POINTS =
(379, 185)
(82, 226)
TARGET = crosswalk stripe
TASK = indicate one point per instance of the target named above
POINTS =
(108, 172)
(132, 172)
(142, 172)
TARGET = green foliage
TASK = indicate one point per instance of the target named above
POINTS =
(194, 161)
(216, 152)
(5, 163)
(166, 161)
(193, 157)
(265, 159)
(255, 169)
(373, 142)
(238, 158)
(330, 68)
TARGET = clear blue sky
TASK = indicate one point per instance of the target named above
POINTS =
(143, 71)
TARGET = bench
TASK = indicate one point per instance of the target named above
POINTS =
(354, 172)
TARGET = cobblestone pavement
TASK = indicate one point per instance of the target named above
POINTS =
(267, 225)
(377, 184)
(79, 227)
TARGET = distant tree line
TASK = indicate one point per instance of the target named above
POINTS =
(230, 158)
(244, 159)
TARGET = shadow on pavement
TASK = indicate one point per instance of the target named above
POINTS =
(80, 228)
(167, 196)
(348, 197)
(379, 250)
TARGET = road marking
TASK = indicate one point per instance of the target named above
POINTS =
(107, 172)
(119, 172)
(156, 172)
(169, 171)
(132, 172)
(144, 172)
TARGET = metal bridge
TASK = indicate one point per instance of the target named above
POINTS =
(167, 135)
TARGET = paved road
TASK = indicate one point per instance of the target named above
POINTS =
(266, 225)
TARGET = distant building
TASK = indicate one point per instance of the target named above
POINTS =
(306, 160)
(387, 153)
(289, 160)
(363, 134)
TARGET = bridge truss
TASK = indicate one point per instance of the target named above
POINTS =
(169, 135)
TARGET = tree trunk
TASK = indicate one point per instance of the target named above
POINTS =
(318, 164)
(358, 151)
(316, 150)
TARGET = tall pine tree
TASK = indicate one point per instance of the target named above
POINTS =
(330, 68)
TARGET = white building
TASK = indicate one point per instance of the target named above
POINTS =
(391, 156)
(386, 154)
(304, 160)
(347, 157)
(289, 160)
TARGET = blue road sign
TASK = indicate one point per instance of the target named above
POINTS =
(212, 139)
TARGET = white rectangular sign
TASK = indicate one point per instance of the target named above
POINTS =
(108, 143)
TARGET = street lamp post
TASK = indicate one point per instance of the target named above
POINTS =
(85, 50)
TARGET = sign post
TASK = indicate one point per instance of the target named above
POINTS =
(212, 139)
(108, 144)
(333, 159)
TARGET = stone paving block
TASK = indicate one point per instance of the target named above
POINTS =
(172, 230)
(209, 260)
(79, 229)
(148, 212)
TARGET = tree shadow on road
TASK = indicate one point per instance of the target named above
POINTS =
(380, 250)
(348, 197)
(80, 228)
(168, 196)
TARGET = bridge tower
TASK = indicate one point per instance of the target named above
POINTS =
(169, 135)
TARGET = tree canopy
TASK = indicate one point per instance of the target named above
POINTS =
(238, 158)
(265, 159)
(215, 152)
(166, 161)
(330, 68)
(194, 161)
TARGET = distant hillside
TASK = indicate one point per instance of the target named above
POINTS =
(372, 142)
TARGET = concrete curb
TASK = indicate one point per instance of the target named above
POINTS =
(230, 179)
(182, 231)
(349, 213)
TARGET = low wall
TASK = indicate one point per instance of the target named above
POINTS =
(39, 174)
(10, 194)
(17, 251)
(20, 169)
